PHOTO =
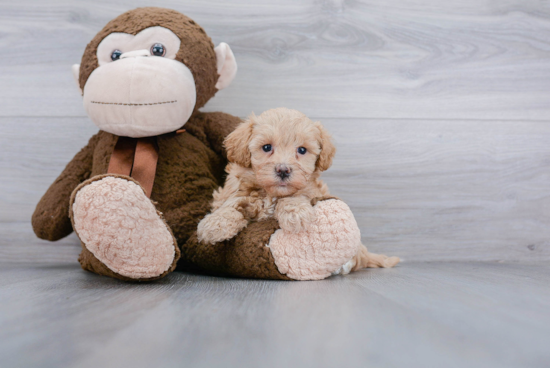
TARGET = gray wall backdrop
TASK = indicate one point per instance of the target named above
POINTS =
(440, 111)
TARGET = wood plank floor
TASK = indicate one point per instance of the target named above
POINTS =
(417, 315)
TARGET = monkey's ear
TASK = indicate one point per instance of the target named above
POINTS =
(226, 64)
(236, 144)
(76, 75)
(328, 150)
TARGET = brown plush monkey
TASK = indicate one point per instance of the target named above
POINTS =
(135, 194)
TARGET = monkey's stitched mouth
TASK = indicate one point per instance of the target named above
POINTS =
(134, 104)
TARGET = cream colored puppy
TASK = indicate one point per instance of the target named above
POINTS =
(276, 160)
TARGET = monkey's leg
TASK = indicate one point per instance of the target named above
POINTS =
(263, 250)
(122, 234)
(330, 241)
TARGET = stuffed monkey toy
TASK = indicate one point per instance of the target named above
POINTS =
(136, 192)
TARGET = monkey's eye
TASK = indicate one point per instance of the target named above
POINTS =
(302, 150)
(267, 148)
(158, 49)
(115, 55)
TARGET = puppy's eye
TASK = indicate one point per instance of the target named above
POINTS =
(158, 49)
(115, 55)
(302, 150)
(267, 148)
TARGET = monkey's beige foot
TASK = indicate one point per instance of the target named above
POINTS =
(330, 241)
(122, 233)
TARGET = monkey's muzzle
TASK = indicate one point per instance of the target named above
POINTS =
(140, 96)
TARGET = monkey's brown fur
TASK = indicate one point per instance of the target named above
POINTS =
(196, 48)
(189, 168)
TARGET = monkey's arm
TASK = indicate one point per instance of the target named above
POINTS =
(216, 126)
(50, 220)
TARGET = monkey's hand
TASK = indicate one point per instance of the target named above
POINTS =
(294, 214)
(220, 225)
(50, 220)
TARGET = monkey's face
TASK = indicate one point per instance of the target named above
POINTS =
(139, 89)
(143, 83)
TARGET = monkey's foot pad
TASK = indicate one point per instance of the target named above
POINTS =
(121, 227)
(314, 254)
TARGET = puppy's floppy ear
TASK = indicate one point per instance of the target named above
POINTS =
(328, 150)
(236, 143)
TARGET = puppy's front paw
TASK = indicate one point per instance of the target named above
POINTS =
(221, 225)
(294, 216)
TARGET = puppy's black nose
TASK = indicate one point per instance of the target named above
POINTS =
(282, 171)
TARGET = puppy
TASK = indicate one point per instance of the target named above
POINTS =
(276, 160)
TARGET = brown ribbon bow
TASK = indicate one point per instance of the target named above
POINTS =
(137, 158)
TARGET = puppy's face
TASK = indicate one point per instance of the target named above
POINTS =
(284, 149)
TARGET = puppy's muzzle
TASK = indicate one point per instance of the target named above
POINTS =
(282, 171)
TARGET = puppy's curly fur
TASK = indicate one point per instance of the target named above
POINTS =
(276, 160)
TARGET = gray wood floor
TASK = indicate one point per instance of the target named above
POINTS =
(418, 315)
(441, 114)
